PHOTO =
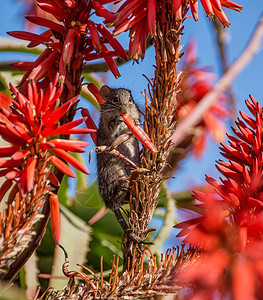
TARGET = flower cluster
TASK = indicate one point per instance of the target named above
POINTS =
(195, 84)
(32, 124)
(229, 231)
(70, 39)
(139, 17)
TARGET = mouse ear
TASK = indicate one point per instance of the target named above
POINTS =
(105, 92)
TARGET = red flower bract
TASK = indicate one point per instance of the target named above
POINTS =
(33, 121)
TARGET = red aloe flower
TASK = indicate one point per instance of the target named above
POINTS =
(230, 229)
(55, 216)
(138, 132)
(193, 87)
(139, 17)
(71, 38)
(33, 121)
(5, 101)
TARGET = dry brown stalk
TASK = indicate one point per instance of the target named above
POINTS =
(142, 280)
(159, 122)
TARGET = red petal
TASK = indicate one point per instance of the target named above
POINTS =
(71, 159)
(60, 111)
(194, 9)
(12, 174)
(80, 131)
(68, 48)
(24, 65)
(90, 124)
(94, 34)
(20, 154)
(178, 9)
(46, 23)
(243, 286)
(207, 7)
(138, 132)
(47, 34)
(74, 146)
(42, 68)
(8, 150)
(231, 5)
(96, 92)
(55, 216)
(27, 178)
(58, 13)
(63, 128)
(103, 12)
(111, 63)
(112, 41)
(23, 35)
(151, 15)
(10, 163)
(53, 179)
(58, 163)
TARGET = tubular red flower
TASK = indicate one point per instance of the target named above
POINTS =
(96, 92)
(73, 146)
(138, 132)
(46, 23)
(94, 34)
(23, 35)
(28, 176)
(111, 63)
(102, 11)
(151, 16)
(68, 47)
(178, 9)
(58, 163)
(42, 68)
(90, 124)
(55, 216)
(70, 159)
(112, 41)
(57, 12)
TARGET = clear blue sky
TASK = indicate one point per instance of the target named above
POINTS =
(250, 81)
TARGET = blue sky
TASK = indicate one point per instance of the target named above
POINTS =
(250, 81)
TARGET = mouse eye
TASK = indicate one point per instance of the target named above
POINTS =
(115, 99)
(130, 99)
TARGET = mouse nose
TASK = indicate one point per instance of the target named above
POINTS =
(123, 110)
